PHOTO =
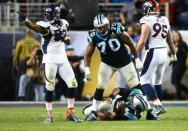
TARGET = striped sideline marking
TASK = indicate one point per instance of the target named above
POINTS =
(78, 103)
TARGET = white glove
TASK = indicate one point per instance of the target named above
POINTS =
(138, 64)
(88, 73)
(173, 58)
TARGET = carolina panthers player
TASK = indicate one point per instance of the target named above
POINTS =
(120, 106)
(110, 39)
(53, 31)
(155, 35)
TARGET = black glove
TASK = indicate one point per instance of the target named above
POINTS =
(22, 16)
(173, 64)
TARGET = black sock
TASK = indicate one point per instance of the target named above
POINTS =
(159, 91)
(150, 92)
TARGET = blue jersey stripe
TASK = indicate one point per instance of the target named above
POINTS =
(147, 61)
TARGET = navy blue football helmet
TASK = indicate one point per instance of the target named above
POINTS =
(152, 6)
(52, 13)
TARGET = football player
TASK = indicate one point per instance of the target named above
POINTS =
(155, 36)
(110, 39)
(53, 31)
(120, 106)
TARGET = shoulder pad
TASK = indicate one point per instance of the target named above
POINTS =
(65, 24)
(43, 24)
(118, 28)
(145, 20)
(91, 35)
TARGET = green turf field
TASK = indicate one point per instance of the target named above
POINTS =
(31, 119)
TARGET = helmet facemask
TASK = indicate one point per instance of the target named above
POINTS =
(52, 13)
(101, 23)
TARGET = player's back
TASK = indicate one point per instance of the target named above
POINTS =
(159, 27)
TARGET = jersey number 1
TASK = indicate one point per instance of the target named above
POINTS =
(158, 28)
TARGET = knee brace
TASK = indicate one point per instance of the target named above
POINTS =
(73, 83)
(49, 96)
(98, 94)
(50, 86)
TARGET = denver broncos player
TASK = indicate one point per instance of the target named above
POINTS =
(53, 31)
(155, 36)
(110, 39)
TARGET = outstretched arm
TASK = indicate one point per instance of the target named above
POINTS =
(31, 25)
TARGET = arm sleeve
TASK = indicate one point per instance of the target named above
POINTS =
(120, 29)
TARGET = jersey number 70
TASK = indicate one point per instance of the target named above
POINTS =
(160, 29)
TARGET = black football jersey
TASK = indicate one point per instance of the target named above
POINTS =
(112, 49)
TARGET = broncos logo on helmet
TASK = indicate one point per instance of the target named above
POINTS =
(152, 6)
(52, 13)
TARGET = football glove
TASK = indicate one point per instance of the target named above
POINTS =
(138, 64)
(22, 16)
(173, 60)
(88, 73)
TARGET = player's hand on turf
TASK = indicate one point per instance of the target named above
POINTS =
(138, 64)
(173, 60)
(88, 74)
(22, 16)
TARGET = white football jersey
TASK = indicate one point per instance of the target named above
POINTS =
(159, 27)
(53, 49)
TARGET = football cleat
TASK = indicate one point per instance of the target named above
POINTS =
(49, 120)
(92, 116)
(160, 109)
(151, 115)
(71, 117)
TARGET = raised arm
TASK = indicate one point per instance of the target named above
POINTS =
(31, 25)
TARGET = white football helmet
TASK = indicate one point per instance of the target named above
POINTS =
(100, 20)
(139, 103)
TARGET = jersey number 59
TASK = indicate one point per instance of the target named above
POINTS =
(160, 29)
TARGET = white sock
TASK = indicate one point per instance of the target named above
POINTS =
(157, 102)
(70, 102)
(95, 105)
(49, 106)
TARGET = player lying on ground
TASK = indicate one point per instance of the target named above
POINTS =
(53, 31)
(155, 36)
(110, 39)
(120, 106)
